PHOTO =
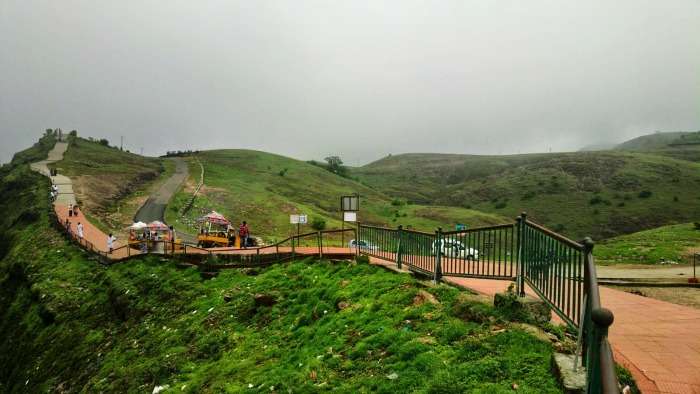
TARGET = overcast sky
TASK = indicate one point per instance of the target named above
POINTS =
(356, 78)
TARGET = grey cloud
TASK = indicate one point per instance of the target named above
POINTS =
(357, 78)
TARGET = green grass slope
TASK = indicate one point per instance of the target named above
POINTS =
(674, 243)
(651, 141)
(68, 324)
(264, 189)
(598, 194)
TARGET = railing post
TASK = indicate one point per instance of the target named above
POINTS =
(586, 323)
(438, 255)
(320, 244)
(294, 253)
(602, 319)
(357, 240)
(399, 234)
(521, 251)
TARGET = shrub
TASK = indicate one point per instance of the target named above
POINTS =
(675, 198)
(644, 194)
(528, 195)
(318, 224)
(104, 142)
(500, 205)
(596, 200)
(397, 202)
(283, 171)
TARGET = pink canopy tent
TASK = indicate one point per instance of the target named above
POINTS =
(215, 218)
(157, 226)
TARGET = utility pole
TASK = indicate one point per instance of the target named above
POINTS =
(121, 147)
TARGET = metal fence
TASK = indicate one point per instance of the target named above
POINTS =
(560, 271)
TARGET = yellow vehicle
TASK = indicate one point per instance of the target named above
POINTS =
(215, 231)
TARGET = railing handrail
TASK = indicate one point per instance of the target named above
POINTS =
(602, 366)
(476, 229)
(554, 235)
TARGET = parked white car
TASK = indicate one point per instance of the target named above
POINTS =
(455, 249)
(364, 245)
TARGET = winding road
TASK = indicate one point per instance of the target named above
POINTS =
(154, 207)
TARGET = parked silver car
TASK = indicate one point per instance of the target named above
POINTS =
(455, 249)
(364, 245)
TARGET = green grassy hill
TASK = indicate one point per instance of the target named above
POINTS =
(674, 243)
(680, 145)
(264, 189)
(651, 141)
(68, 324)
(598, 194)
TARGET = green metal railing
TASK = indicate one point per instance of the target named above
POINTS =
(560, 271)
(486, 252)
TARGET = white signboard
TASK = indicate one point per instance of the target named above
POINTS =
(297, 219)
(350, 216)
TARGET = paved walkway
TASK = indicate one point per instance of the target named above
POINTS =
(65, 186)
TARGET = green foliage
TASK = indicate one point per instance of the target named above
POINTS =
(103, 142)
(398, 202)
(644, 194)
(283, 171)
(335, 165)
(625, 378)
(318, 224)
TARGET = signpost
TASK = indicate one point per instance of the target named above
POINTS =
(298, 220)
(349, 205)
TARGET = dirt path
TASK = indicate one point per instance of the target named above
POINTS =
(154, 207)
(646, 272)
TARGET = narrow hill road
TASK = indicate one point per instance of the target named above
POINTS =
(154, 207)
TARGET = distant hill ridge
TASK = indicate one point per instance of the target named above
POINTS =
(600, 194)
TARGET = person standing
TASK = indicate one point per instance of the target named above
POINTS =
(81, 231)
(70, 210)
(244, 233)
(110, 242)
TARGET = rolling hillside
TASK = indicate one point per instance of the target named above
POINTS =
(598, 194)
(68, 324)
(651, 141)
(264, 189)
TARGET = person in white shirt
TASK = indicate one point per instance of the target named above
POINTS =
(110, 242)
(80, 230)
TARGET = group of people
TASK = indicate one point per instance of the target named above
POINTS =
(54, 192)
